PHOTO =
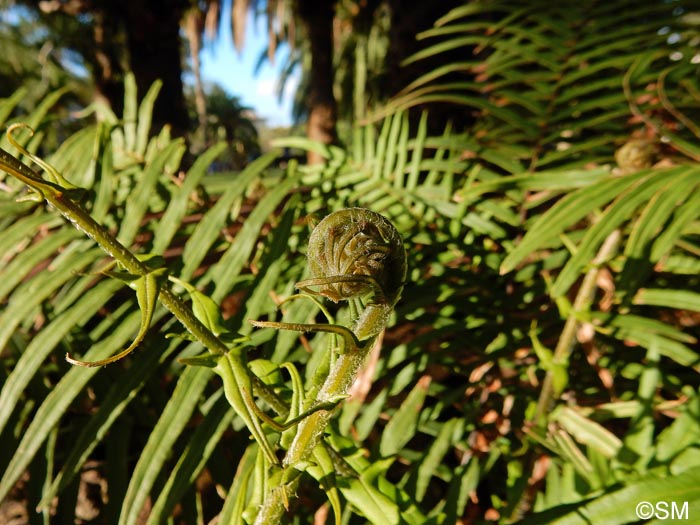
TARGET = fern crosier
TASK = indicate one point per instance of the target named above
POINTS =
(354, 255)
(357, 254)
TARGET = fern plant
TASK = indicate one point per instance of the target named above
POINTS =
(145, 164)
(559, 86)
(543, 367)
(147, 161)
(554, 254)
(597, 247)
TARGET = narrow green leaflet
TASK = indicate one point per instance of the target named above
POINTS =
(204, 308)
(619, 211)
(56, 404)
(683, 217)
(8, 104)
(228, 269)
(27, 296)
(112, 406)
(34, 119)
(566, 212)
(160, 443)
(145, 114)
(180, 198)
(619, 506)
(26, 261)
(465, 480)
(588, 432)
(235, 503)
(130, 121)
(402, 426)
(435, 455)
(208, 230)
(558, 368)
(15, 237)
(378, 508)
(147, 288)
(141, 194)
(324, 471)
(198, 450)
(679, 299)
(44, 343)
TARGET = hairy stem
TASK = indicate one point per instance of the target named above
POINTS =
(310, 432)
(55, 195)
(354, 255)
(232, 367)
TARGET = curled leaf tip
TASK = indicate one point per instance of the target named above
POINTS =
(54, 176)
(107, 361)
(354, 255)
(18, 125)
(85, 364)
(356, 252)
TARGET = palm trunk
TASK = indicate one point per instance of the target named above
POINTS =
(193, 31)
(155, 53)
(317, 18)
(107, 71)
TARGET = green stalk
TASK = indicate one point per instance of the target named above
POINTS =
(56, 196)
(238, 384)
(369, 245)
(310, 432)
(567, 340)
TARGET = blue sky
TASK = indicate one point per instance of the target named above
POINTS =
(236, 74)
(223, 65)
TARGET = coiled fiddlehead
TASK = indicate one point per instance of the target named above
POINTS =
(354, 255)
(357, 254)
(364, 249)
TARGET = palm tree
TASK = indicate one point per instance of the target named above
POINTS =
(116, 37)
(283, 17)
(317, 18)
